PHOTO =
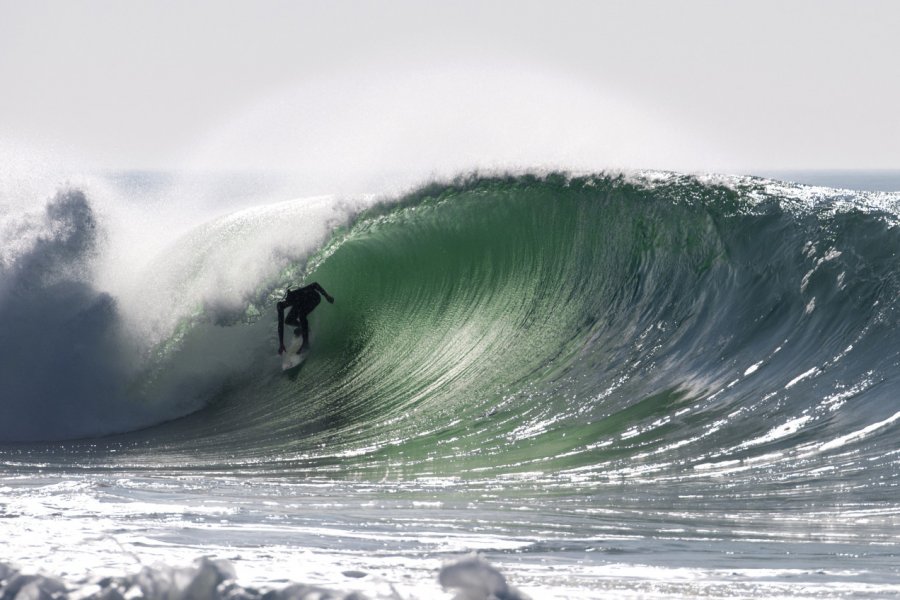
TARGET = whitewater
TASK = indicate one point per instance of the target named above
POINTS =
(548, 385)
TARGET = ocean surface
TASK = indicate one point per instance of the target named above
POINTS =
(611, 385)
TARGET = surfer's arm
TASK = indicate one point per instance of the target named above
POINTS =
(322, 291)
(281, 306)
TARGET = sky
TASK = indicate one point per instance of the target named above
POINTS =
(382, 87)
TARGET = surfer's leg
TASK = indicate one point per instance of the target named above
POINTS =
(291, 319)
(304, 331)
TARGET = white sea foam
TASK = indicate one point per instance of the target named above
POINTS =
(472, 578)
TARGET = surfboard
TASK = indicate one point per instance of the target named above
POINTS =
(291, 358)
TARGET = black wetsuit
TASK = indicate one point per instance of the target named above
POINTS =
(302, 302)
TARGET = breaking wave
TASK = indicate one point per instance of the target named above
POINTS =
(652, 325)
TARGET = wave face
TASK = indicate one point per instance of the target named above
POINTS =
(657, 326)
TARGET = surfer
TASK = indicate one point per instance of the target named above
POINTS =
(302, 302)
